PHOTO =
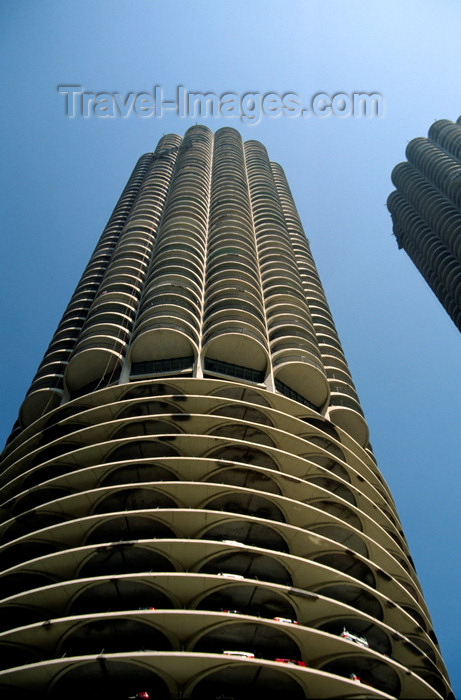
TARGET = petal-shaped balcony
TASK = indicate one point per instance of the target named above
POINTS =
(232, 338)
(303, 371)
(163, 336)
(346, 412)
(100, 356)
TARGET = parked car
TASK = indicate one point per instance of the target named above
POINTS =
(354, 677)
(241, 654)
(285, 619)
(291, 662)
(231, 542)
(351, 637)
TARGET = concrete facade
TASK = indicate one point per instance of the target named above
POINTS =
(426, 211)
(191, 508)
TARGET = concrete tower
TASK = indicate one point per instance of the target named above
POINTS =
(190, 507)
(426, 211)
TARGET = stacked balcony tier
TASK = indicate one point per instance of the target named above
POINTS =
(344, 407)
(295, 355)
(168, 323)
(154, 533)
(234, 324)
(47, 388)
(102, 343)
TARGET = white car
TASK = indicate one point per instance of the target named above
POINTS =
(361, 641)
(230, 542)
(235, 576)
(285, 619)
(241, 654)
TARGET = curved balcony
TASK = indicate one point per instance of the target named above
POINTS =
(98, 357)
(230, 227)
(223, 253)
(234, 208)
(238, 287)
(345, 412)
(230, 340)
(285, 325)
(191, 236)
(187, 268)
(232, 267)
(303, 371)
(174, 297)
(283, 295)
(160, 288)
(179, 254)
(41, 398)
(190, 229)
(240, 238)
(163, 338)
(233, 314)
(236, 306)
(178, 276)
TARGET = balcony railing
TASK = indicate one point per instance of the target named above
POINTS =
(292, 394)
(173, 364)
(238, 371)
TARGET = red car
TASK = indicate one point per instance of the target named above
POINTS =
(142, 695)
(357, 679)
(291, 662)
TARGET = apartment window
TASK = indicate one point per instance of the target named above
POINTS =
(252, 375)
(172, 364)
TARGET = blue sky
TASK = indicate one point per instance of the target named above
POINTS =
(61, 178)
